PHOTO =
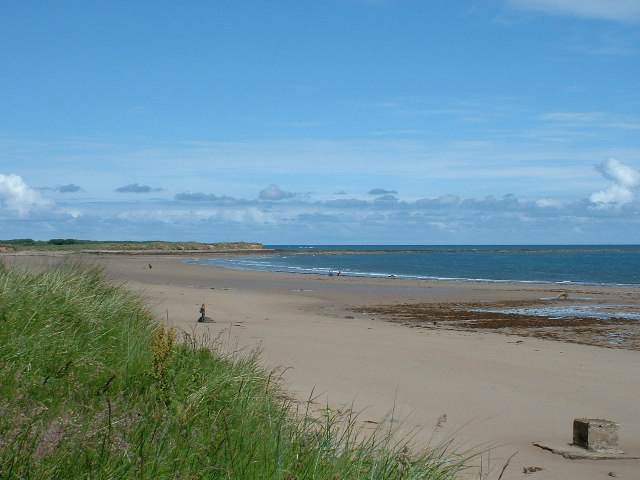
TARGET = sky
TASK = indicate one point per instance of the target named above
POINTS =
(321, 121)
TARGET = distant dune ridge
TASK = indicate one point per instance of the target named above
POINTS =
(91, 246)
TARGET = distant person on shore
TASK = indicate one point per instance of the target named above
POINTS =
(203, 313)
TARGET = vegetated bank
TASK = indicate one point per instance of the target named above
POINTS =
(95, 387)
(70, 245)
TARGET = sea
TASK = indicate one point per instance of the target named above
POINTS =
(607, 265)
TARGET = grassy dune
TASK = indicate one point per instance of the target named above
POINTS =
(93, 387)
(74, 245)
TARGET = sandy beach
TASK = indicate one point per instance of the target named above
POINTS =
(494, 388)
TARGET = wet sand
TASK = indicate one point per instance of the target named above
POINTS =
(402, 349)
(605, 322)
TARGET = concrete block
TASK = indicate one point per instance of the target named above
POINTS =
(596, 434)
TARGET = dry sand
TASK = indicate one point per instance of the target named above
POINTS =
(488, 389)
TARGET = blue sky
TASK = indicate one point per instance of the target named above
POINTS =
(324, 121)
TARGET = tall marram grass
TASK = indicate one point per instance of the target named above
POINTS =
(93, 387)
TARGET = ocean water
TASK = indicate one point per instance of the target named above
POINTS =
(576, 264)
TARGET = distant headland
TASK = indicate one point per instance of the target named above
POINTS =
(71, 245)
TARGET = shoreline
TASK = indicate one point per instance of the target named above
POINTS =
(351, 268)
(492, 389)
(537, 283)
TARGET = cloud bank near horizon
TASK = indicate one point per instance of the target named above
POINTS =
(275, 213)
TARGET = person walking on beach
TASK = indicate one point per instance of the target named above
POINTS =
(203, 313)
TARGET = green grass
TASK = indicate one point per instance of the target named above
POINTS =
(93, 387)
(74, 245)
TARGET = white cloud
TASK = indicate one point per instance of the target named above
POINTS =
(572, 117)
(273, 192)
(592, 119)
(549, 203)
(145, 215)
(70, 212)
(16, 196)
(620, 10)
(210, 198)
(70, 188)
(250, 215)
(382, 191)
(625, 181)
(135, 188)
